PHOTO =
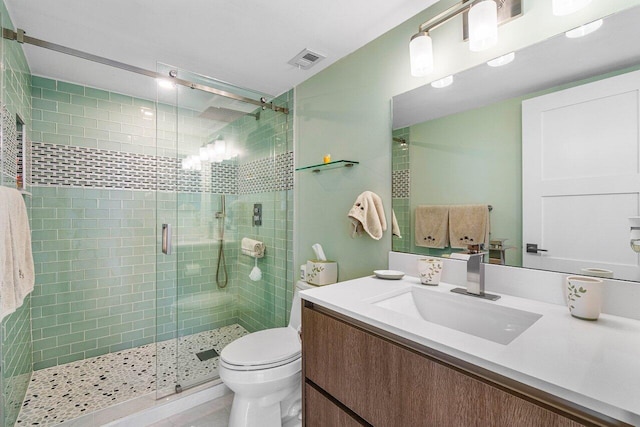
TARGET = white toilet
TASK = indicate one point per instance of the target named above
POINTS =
(264, 371)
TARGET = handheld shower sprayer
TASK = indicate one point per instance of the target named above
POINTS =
(222, 277)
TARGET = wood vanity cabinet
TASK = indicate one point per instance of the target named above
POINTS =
(355, 374)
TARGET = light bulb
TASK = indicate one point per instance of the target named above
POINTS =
(443, 82)
(220, 147)
(502, 60)
(585, 29)
(421, 54)
(483, 25)
(204, 153)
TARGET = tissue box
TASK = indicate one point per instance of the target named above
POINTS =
(321, 272)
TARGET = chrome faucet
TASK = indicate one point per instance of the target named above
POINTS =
(475, 276)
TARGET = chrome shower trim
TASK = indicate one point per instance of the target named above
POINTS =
(20, 36)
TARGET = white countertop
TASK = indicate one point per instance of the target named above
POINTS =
(595, 364)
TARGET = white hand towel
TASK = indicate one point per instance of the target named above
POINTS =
(254, 248)
(16, 260)
(367, 214)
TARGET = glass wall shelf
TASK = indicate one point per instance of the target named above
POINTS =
(331, 165)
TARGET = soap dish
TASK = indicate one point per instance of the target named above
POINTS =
(389, 274)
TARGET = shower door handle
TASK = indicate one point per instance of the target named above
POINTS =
(166, 239)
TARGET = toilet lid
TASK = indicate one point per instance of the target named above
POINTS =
(268, 347)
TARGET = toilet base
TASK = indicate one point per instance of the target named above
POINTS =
(270, 411)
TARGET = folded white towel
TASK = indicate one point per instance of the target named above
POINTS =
(367, 214)
(253, 248)
(17, 277)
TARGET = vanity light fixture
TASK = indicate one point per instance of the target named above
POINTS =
(212, 152)
(585, 29)
(443, 82)
(502, 60)
(480, 24)
(421, 54)
(566, 7)
(483, 25)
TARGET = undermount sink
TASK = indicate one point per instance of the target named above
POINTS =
(479, 318)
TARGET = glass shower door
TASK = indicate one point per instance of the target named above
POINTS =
(223, 162)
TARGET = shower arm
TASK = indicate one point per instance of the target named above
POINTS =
(20, 36)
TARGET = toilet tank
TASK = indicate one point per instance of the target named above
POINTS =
(296, 306)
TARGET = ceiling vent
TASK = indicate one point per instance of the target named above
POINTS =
(306, 59)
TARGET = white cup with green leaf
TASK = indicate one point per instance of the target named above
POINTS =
(584, 297)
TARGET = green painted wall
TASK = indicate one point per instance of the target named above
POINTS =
(472, 157)
(345, 110)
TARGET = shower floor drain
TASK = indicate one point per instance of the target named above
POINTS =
(207, 354)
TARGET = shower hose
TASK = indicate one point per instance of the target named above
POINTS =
(221, 279)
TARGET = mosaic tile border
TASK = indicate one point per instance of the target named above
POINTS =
(266, 174)
(401, 184)
(67, 165)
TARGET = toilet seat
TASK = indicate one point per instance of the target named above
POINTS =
(262, 350)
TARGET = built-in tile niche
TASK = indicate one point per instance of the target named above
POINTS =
(16, 152)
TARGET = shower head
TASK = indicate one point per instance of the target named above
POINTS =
(226, 115)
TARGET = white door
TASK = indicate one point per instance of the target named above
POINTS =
(580, 176)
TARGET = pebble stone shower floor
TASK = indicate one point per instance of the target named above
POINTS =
(65, 392)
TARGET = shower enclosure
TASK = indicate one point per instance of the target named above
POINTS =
(138, 198)
(231, 157)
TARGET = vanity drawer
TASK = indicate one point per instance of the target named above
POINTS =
(322, 412)
(388, 384)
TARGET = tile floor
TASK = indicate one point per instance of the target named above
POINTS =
(210, 414)
(72, 390)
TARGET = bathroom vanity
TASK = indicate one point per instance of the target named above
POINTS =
(397, 353)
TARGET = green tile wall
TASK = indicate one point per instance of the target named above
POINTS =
(65, 113)
(266, 303)
(94, 252)
(15, 341)
(96, 248)
(103, 284)
(16, 360)
(401, 206)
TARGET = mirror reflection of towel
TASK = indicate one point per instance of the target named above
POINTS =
(395, 228)
(468, 225)
(432, 226)
(367, 214)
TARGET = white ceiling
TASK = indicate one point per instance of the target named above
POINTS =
(244, 42)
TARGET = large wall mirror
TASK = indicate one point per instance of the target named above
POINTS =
(551, 141)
